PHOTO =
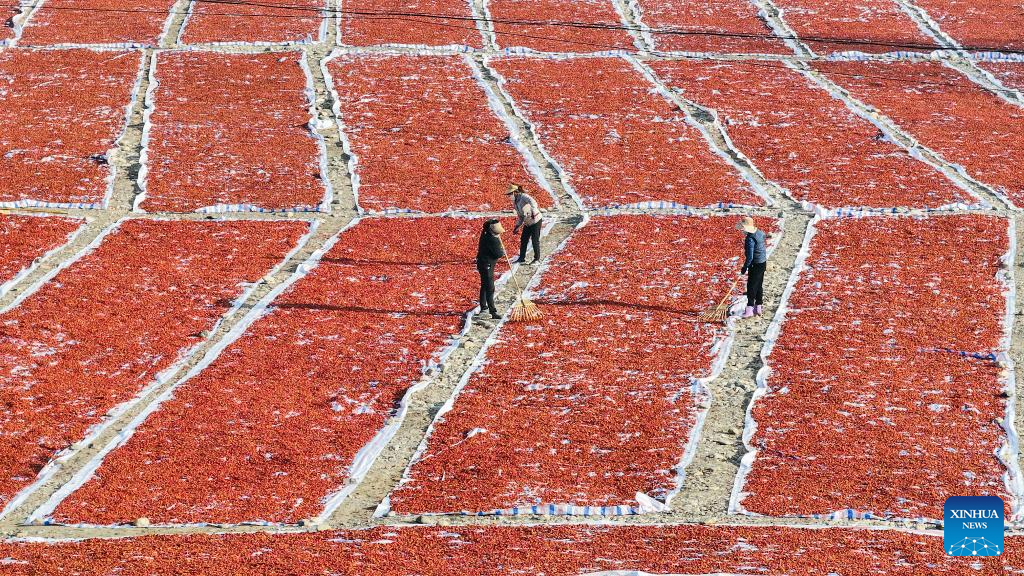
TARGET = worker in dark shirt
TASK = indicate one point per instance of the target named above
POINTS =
(755, 260)
(489, 251)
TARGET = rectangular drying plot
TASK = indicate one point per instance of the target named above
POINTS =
(801, 137)
(870, 26)
(229, 132)
(594, 409)
(946, 112)
(987, 26)
(423, 135)
(883, 393)
(551, 550)
(720, 26)
(299, 404)
(262, 22)
(617, 140)
(24, 240)
(409, 22)
(56, 22)
(559, 25)
(62, 112)
(115, 320)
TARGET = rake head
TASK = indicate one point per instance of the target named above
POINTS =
(525, 311)
(718, 314)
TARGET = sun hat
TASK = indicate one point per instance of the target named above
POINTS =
(747, 225)
(513, 188)
(497, 228)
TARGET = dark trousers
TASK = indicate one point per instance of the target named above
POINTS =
(486, 271)
(530, 233)
(755, 284)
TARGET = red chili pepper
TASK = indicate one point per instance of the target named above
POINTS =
(880, 22)
(942, 109)
(742, 28)
(295, 21)
(871, 405)
(594, 403)
(559, 37)
(992, 25)
(424, 136)
(26, 238)
(619, 142)
(62, 111)
(270, 429)
(231, 129)
(565, 550)
(359, 30)
(97, 22)
(800, 137)
(101, 330)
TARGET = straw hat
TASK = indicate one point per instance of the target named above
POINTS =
(747, 225)
(497, 228)
(514, 188)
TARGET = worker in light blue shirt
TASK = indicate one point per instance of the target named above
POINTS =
(755, 260)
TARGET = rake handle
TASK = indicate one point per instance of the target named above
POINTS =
(512, 274)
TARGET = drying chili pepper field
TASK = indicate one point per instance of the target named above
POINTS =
(423, 137)
(271, 428)
(201, 155)
(618, 140)
(713, 26)
(96, 22)
(25, 240)
(808, 141)
(945, 111)
(533, 25)
(862, 388)
(141, 299)
(870, 26)
(613, 412)
(62, 113)
(267, 22)
(423, 23)
(988, 26)
(509, 287)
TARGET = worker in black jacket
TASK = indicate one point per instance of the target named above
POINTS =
(755, 261)
(489, 251)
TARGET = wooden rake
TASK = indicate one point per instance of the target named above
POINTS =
(524, 310)
(720, 313)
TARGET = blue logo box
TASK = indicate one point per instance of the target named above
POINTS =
(973, 526)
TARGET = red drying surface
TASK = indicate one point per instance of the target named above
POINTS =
(62, 111)
(594, 403)
(538, 25)
(360, 26)
(97, 22)
(732, 26)
(295, 21)
(487, 551)
(988, 25)
(269, 430)
(866, 410)
(801, 137)
(25, 238)
(424, 136)
(8, 12)
(231, 129)
(620, 142)
(828, 26)
(101, 330)
(1010, 74)
(946, 112)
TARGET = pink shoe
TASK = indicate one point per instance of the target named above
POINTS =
(748, 313)
(759, 309)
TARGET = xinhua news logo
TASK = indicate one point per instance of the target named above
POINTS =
(973, 526)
